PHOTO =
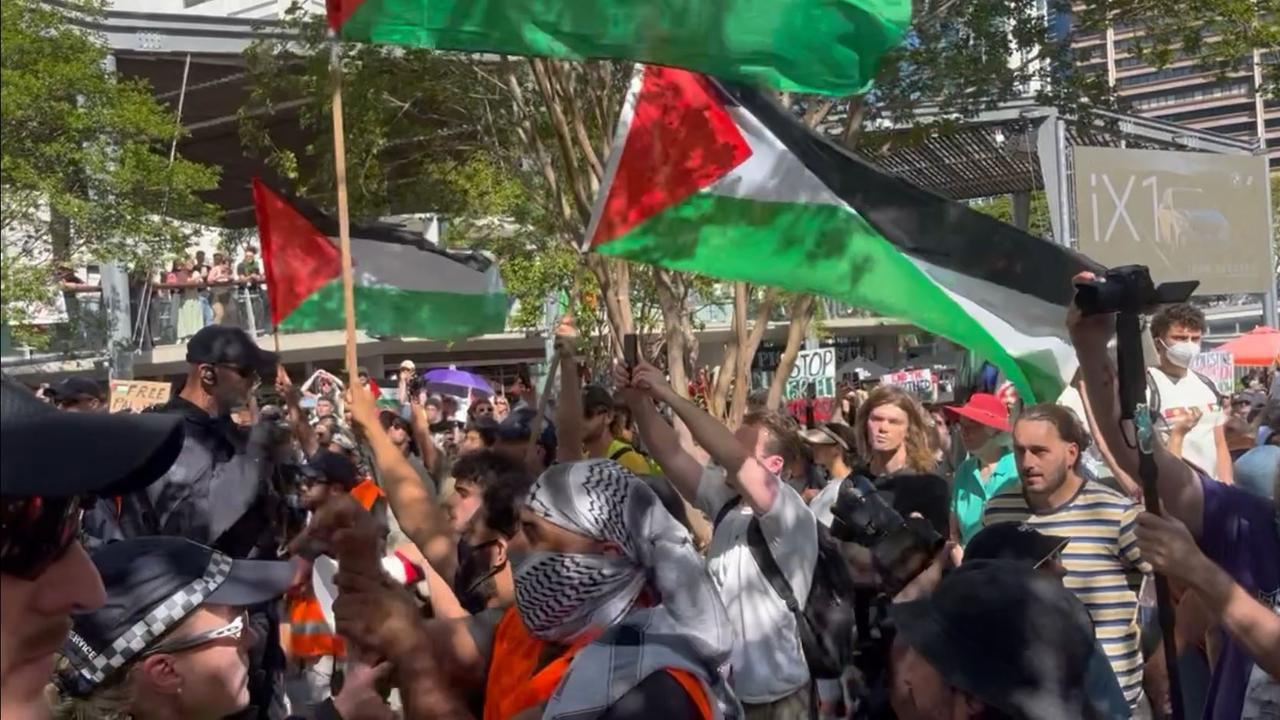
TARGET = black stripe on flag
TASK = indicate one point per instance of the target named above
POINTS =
(928, 226)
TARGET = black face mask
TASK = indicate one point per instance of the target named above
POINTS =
(472, 582)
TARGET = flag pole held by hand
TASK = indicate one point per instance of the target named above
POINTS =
(535, 429)
(344, 220)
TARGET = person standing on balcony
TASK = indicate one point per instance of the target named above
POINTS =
(201, 266)
(249, 272)
(220, 279)
(190, 308)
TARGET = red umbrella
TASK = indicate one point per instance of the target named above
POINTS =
(1259, 346)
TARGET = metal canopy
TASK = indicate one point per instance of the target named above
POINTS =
(997, 153)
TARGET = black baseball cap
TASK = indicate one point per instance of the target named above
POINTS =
(518, 426)
(227, 345)
(330, 467)
(1017, 541)
(153, 583)
(596, 399)
(388, 418)
(47, 452)
(1009, 635)
(77, 386)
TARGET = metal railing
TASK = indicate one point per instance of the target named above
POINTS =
(173, 312)
(160, 314)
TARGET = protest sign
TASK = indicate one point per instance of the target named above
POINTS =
(920, 383)
(1219, 367)
(138, 395)
(812, 366)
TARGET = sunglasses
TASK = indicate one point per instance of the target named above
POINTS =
(36, 531)
(233, 629)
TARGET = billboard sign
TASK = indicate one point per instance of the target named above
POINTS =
(1186, 215)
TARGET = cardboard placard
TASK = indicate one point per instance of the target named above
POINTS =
(920, 383)
(138, 395)
(1220, 367)
(812, 366)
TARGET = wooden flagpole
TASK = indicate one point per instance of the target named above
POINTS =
(344, 227)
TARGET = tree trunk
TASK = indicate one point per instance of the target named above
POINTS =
(801, 315)
(853, 123)
(673, 299)
(742, 387)
(717, 400)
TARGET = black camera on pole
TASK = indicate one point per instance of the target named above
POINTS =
(901, 548)
(1129, 289)
(1129, 292)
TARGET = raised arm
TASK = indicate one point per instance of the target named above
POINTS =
(753, 481)
(682, 469)
(302, 429)
(1226, 469)
(1180, 490)
(1170, 549)
(420, 519)
(1131, 486)
(432, 457)
(569, 407)
(436, 662)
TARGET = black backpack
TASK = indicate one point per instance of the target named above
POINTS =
(825, 621)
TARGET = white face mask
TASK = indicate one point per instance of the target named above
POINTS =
(1181, 354)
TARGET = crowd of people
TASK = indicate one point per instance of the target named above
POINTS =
(203, 292)
(325, 551)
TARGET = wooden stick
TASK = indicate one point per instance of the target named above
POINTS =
(344, 226)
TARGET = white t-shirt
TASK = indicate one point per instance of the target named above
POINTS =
(767, 662)
(1190, 391)
(825, 500)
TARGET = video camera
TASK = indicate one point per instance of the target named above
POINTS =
(1129, 288)
(415, 385)
(901, 548)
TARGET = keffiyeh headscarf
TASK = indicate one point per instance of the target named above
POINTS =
(561, 595)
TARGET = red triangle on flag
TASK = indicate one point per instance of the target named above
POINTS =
(298, 258)
(680, 139)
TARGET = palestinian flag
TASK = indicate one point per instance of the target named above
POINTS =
(723, 182)
(820, 46)
(404, 286)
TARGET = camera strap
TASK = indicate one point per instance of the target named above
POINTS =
(760, 552)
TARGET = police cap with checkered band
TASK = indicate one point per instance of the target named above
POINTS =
(153, 584)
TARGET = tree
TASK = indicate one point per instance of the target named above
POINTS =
(1001, 208)
(85, 173)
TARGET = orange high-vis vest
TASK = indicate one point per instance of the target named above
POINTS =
(309, 634)
(516, 683)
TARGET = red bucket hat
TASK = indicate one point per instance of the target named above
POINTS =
(986, 409)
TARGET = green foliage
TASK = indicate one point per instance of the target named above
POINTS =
(85, 174)
(412, 119)
(1001, 208)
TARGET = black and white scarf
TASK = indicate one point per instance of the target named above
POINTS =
(560, 596)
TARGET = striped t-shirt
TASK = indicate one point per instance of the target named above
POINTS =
(1101, 557)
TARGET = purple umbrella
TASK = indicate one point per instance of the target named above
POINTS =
(452, 381)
